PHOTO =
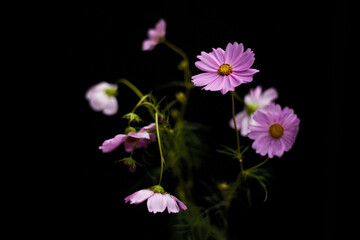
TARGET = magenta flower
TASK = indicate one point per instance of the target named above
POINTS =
(225, 70)
(142, 138)
(157, 200)
(102, 97)
(274, 130)
(254, 100)
(155, 35)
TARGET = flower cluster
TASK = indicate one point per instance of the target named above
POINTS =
(270, 129)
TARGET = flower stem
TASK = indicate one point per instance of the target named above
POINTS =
(160, 149)
(187, 71)
(236, 131)
(131, 86)
(260, 164)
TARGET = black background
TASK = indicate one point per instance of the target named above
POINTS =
(300, 50)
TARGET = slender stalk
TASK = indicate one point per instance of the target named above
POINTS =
(160, 149)
(131, 86)
(236, 131)
(176, 49)
(187, 71)
(260, 164)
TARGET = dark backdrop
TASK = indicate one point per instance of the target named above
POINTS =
(299, 49)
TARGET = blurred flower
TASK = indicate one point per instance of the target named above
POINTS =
(225, 70)
(102, 97)
(155, 36)
(142, 138)
(274, 130)
(157, 200)
(255, 100)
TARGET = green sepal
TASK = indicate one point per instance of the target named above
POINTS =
(158, 189)
(132, 117)
(130, 129)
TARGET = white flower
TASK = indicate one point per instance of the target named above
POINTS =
(102, 97)
(253, 101)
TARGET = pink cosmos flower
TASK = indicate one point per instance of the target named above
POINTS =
(254, 100)
(142, 139)
(225, 70)
(156, 201)
(274, 130)
(102, 97)
(154, 36)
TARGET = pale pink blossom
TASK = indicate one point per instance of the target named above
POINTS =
(155, 35)
(156, 201)
(253, 101)
(102, 97)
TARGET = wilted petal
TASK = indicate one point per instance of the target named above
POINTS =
(171, 204)
(112, 143)
(156, 203)
(139, 196)
(181, 204)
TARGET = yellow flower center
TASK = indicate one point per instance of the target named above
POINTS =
(276, 130)
(224, 69)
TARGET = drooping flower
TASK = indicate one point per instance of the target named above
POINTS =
(225, 70)
(254, 100)
(274, 130)
(141, 139)
(155, 35)
(102, 97)
(157, 200)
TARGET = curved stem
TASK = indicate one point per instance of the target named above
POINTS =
(187, 71)
(237, 132)
(260, 164)
(131, 86)
(143, 103)
(160, 149)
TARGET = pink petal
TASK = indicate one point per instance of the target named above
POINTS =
(171, 204)
(234, 81)
(139, 135)
(238, 118)
(148, 45)
(261, 117)
(216, 84)
(142, 142)
(233, 52)
(128, 146)
(181, 204)
(257, 134)
(156, 203)
(110, 144)
(99, 100)
(205, 67)
(288, 141)
(261, 144)
(111, 107)
(153, 34)
(209, 59)
(277, 148)
(245, 61)
(203, 79)
(161, 27)
(226, 85)
(237, 53)
(151, 127)
(267, 97)
(139, 196)
(219, 54)
(242, 78)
